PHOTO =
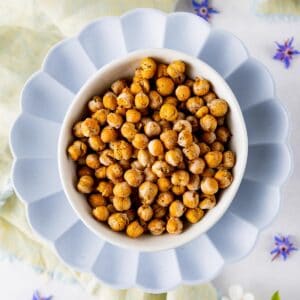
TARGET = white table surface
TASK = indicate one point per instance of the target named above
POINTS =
(256, 272)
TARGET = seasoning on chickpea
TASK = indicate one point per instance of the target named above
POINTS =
(118, 86)
(85, 184)
(128, 131)
(108, 134)
(101, 116)
(165, 86)
(145, 212)
(201, 87)
(95, 104)
(168, 112)
(148, 67)
(228, 161)
(192, 151)
(125, 99)
(161, 168)
(118, 221)
(174, 225)
(105, 188)
(110, 101)
(156, 226)
(133, 177)
(169, 138)
(77, 150)
(114, 120)
(180, 177)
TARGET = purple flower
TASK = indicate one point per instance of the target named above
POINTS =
(203, 9)
(285, 52)
(283, 247)
(36, 296)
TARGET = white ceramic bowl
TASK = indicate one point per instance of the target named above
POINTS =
(97, 84)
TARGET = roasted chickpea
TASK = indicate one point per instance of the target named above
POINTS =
(96, 143)
(121, 203)
(105, 188)
(114, 171)
(208, 137)
(201, 87)
(145, 158)
(209, 97)
(178, 190)
(161, 169)
(150, 175)
(110, 101)
(193, 104)
(217, 146)
(136, 165)
(182, 92)
(176, 209)
(122, 189)
(85, 184)
(218, 107)
(207, 201)
(181, 125)
(108, 134)
(133, 116)
(152, 129)
(174, 225)
(134, 229)
(156, 226)
(100, 173)
(168, 112)
(165, 86)
(208, 172)
(194, 215)
(90, 127)
(101, 116)
(156, 100)
(197, 166)
(164, 199)
(95, 104)
(133, 177)
(185, 138)
(147, 192)
(208, 123)
(125, 99)
(114, 120)
(77, 130)
(101, 213)
(180, 177)
(77, 150)
(209, 186)
(201, 112)
(156, 147)
(92, 161)
(176, 69)
(122, 150)
(191, 152)
(148, 67)
(164, 184)
(223, 134)
(136, 88)
(118, 86)
(140, 141)
(204, 148)
(161, 70)
(145, 212)
(224, 178)
(213, 158)
(169, 138)
(194, 183)
(85, 171)
(141, 100)
(171, 100)
(190, 199)
(107, 157)
(174, 157)
(228, 161)
(118, 221)
(159, 211)
(128, 131)
(96, 200)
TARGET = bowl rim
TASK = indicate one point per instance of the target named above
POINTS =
(210, 219)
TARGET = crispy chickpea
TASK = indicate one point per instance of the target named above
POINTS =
(156, 147)
(176, 209)
(85, 171)
(77, 130)
(125, 99)
(161, 169)
(156, 226)
(176, 68)
(118, 86)
(165, 86)
(114, 171)
(121, 203)
(169, 138)
(201, 112)
(133, 177)
(224, 178)
(201, 87)
(159, 211)
(180, 177)
(208, 172)
(95, 104)
(182, 125)
(223, 134)
(148, 67)
(105, 188)
(145, 212)
(110, 101)
(122, 150)
(209, 186)
(165, 199)
(191, 152)
(100, 173)
(208, 123)
(108, 134)
(161, 70)
(85, 184)
(134, 229)
(101, 213)
(152, 129)
(213, 158)
(208, 137)
(217, 146)
(185, 138)
(136, 165)
(196, 166)
(133, 116)
(207, 201)
(168, 112)
(174, 157)
(136, 88)
(182, 92)
(140, 141)
(141, 100)
(190, 199)
(194, 215)
(218, 107)
(150, 175)
(118, 221)
(194, 183)
(193, 104)
(96, 200)
(101, 116)
(164, 184)
(156, 100)
(92, 161)
(107, 157)
(90, 127)
(122, 189)
(210, 96)
(114, 120)
(171, 100)
(178, 190)
(204, 148)
(174, 225)
(96, 143)
(145, 158)
(77, 150)
(128, 131)
(228, 161)
(147, 192)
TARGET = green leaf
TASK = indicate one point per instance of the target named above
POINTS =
(276, 296)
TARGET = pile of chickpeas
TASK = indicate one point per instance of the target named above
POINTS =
(153, 153)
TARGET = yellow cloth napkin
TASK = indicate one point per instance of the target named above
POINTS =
(28, 28)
